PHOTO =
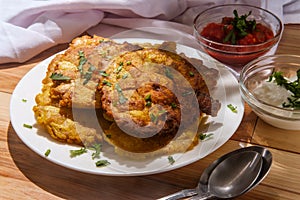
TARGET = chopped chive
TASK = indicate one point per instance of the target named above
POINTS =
(59, 77)
(204, 136)
(105, 82)
(102, 163)
(173, 105)
(47, 152)
(103, 73)
(119, 68)
(232, 108)
(77, 152)
(124, 76)
(168, 73)
(88, 74)
(27, 126)
(148, 97)
(148, 103)
(153, 118)
(82, 61)
(97, 149)
(191, 73)
(91, 68)
(171, 160)
(122, 98)
(184, 94)
(24, 100)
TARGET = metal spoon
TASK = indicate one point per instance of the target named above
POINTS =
(203, 188)
(234, 175)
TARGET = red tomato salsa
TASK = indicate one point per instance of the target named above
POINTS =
(218, 32)
(237, 31)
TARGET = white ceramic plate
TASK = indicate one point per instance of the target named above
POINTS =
(223, 126)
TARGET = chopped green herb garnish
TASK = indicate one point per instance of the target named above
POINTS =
(59, 77)
(128, 63)
(173, 105)
(77, 152)
(24, 100)
(103, 73)
(118, 88)
(97, 149)
(87, 77)
(148, 103)
(168, 73)
(191, 74)
(292, 86)
(171, 160)
(27, 126)
(119, 68)
(88, 74)
(82, 61)
(184, 94)
(153, 118)
(105, 82)
(102, 163)
(124, 76)
(204, 136)
(232, 108)
(161, 112)
(91, 68)
(148, 97)
(122, 98)
(241, 27)
(47, 152)
(230, 37)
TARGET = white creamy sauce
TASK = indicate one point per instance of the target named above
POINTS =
(272, 93)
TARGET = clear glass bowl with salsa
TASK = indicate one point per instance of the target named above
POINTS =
(236, 34)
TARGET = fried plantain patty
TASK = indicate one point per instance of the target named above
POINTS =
(61, 126)
(146, 95)
(78, 72)
(149, 94)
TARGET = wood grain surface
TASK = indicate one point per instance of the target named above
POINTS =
(25, 175)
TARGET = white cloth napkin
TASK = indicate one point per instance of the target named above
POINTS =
(29, 27)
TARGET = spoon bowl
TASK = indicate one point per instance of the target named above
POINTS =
(225, 182)
(204, 183)
(266, 165)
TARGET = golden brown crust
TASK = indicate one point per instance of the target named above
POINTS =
(54, 103)
(61, 126)
(151, 92)
(146, 95)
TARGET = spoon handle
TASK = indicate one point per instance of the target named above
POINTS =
(202, 197)
(180, 194)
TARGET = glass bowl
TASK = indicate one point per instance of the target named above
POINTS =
(266, 97)
(232, 55)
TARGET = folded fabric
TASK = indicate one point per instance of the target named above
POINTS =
(30, 27)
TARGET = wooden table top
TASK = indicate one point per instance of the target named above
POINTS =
(26, 175)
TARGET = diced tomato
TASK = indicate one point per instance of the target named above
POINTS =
(214, 32)
(227, 20)
(247, 40)
(218, 31)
